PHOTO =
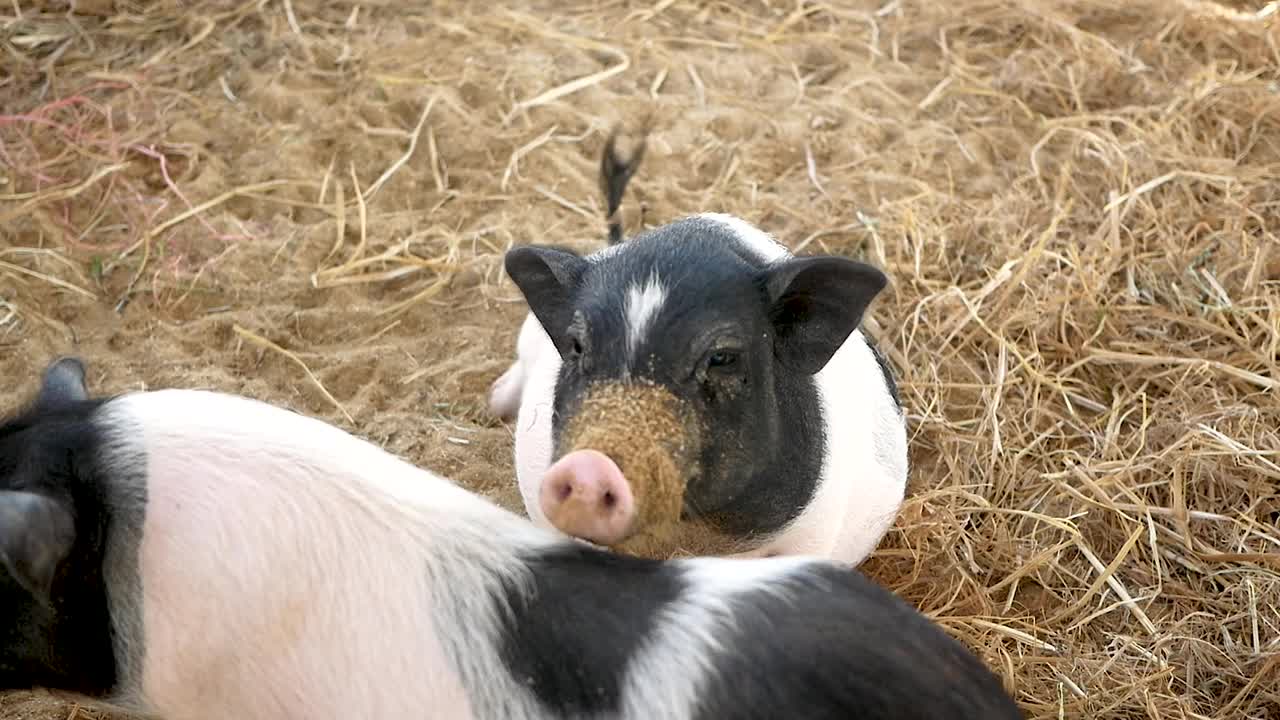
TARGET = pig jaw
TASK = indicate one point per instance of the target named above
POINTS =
(697, 537)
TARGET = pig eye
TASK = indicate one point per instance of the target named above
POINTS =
(723, 359)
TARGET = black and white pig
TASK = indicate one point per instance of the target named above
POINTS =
(700, 390)
(188, 555)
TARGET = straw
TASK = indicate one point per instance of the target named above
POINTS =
(1075, 201)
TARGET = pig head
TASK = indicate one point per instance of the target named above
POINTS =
(685, 413)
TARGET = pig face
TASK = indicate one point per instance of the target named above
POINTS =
(53, 629)
(685, 410)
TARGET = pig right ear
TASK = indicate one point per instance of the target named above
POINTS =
(816, 303)
(547, 277)
(36, 535)
(63, 384)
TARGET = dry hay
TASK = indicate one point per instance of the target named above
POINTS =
(1077, 202)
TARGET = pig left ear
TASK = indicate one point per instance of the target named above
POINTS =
(815, 303)
(36, 535)
(547, 276)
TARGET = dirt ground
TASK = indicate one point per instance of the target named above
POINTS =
(1076, 201)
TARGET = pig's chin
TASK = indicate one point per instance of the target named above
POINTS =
(668, 540)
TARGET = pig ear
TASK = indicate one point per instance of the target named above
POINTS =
(815, 303)
(36, 535)
(547, 277)
(62, 384)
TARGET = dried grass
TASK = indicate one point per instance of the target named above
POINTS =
(1077, 202)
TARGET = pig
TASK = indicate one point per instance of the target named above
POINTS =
(189, 554)
(700, 390)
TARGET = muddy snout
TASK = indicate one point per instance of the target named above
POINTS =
(622, 471)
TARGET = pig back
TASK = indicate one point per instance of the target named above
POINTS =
(281, 559)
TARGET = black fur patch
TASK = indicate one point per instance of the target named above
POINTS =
(64, 643)
(56, 629)
(570, 640)
(831, 645)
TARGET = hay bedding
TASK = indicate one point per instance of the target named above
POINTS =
(1077, 202)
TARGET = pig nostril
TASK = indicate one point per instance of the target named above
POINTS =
(563, 491)
(610, 500)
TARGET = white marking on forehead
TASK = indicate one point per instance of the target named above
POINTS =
(642, 305)
(759, 242)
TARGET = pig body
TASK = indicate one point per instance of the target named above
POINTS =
(823, 471)
(189, 555)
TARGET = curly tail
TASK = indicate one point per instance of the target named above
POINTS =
(615, 173)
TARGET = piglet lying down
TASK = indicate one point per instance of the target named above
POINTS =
(189, 554)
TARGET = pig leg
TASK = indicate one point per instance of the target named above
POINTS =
(506, 392)
(504, 395)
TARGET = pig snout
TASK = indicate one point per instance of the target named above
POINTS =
(585, 494)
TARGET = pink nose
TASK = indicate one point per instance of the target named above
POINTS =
(585, 495)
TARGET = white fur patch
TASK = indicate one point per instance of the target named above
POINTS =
(724, 577)
(643, 302)
(760, 243)
(668, 675)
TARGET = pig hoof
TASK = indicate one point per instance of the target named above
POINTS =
(585, 495)
(504, 394)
